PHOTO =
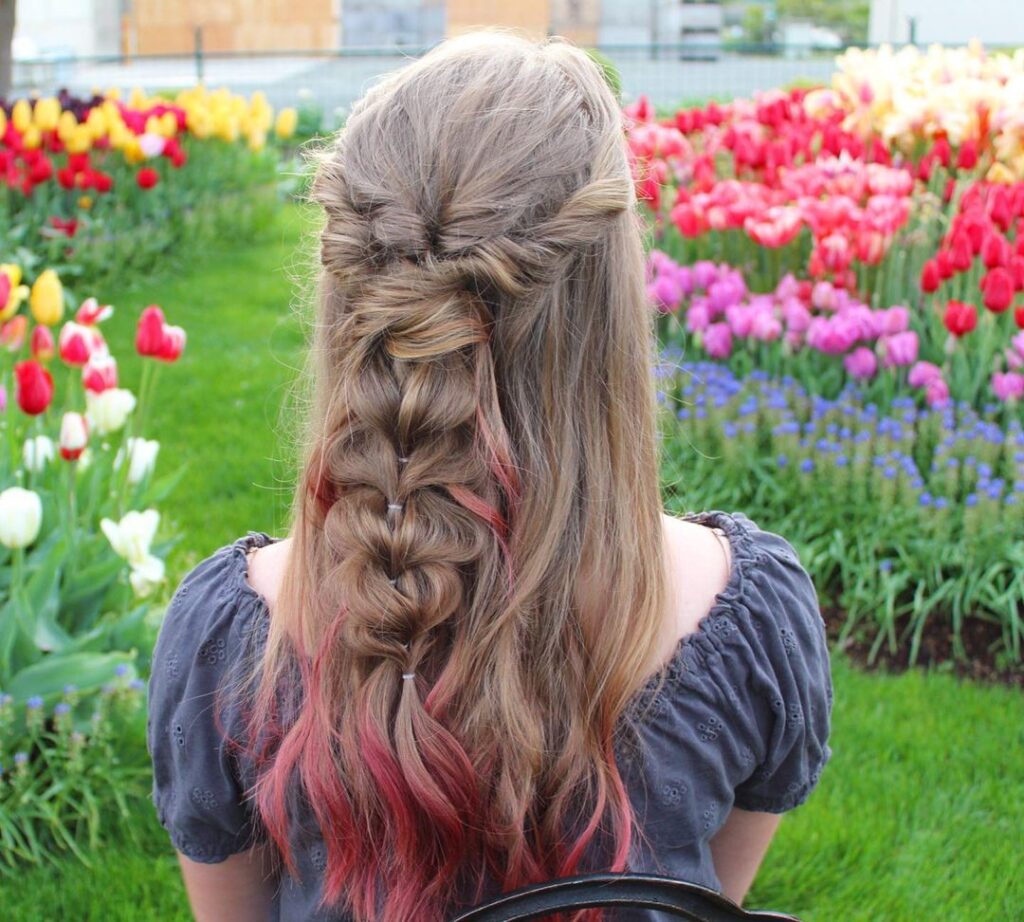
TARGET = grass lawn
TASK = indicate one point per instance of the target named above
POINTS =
(918, 815)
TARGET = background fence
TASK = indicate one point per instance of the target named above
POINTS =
(667, 73)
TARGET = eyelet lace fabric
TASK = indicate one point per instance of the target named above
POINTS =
(741, 717)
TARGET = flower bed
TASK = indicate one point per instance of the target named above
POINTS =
(103, 182)
(79, 561)
(842, 270)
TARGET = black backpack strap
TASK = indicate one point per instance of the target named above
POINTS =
(642, 891)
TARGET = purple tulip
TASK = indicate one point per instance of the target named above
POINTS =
(896, 320)
(922, 373)
(740, 319)
(796, 314)
(664, 291)
(765, 325)
(936, 392)
(698, 317)
(704, 273)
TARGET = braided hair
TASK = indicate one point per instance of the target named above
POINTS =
(474, 584)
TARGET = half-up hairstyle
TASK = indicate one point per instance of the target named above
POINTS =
(475, 583)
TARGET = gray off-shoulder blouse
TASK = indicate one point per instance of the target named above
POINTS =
(742, 719)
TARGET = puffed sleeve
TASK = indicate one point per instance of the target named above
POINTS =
(197, 791)
(787, 683)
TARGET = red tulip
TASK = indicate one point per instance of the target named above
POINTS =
(995, 251)
(41, 343)
(930, 277)
(997, 286)
(967, 156)
(77, 343)
(103, 182)
(944, 262)
(1016, 268)
(66, 177)
(78, 163)
(961, 254)
(173, 344)
(34, 387)
(147, 177)
(74, 436)
(99, 373)
(689, 221)
(960, 318)
(1018, 316)
(92, 312)
(149, 336)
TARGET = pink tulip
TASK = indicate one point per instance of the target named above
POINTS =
(899, 349)
(936, 392)
(698, 317)
(765, 326)
(861, 363)
(922, 373)
(718, 341)
(173, 344)
(896, 320)
(1008, 385)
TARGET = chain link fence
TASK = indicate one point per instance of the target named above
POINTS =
(669, 74)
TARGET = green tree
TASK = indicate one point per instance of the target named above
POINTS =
(755, 25)
(848, 17)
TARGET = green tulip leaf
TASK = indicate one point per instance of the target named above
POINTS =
(87, 671)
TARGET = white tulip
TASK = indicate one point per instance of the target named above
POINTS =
(146, 576)
(131, 537)
(108, 411)
(142, 458)
(74, 436)
(21, 515)
(38, 452)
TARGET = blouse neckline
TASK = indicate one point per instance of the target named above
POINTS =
(735, 526)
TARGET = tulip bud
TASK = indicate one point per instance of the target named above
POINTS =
(41, 344)
(74, 436)
(21, 515)
(47, 298)
(99, 373)
(173, 344)
(12, 333)
(34, 387)
(77, 343)
(141, 458)
(92, 312)
(37, 452)
(108, 411)
(149, 337)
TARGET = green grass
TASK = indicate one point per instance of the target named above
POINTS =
(915, 817)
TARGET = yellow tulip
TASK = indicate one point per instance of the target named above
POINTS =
(21, 115)
(46, 113)
(113, 92)
(66, 124)
(257, 141)
(3, 121)
(137, 99)
(46, 300)
(169, 123)
(85, 202)
(96, 121)
(152, 125)
(133, 151)
(1000, 173)
(31, 137)
(80, 140)
(13, 272)
(286, 123)
(17, 294)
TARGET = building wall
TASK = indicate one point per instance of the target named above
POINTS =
(74, 27)
(576, 20)
(380, 23)
(531, 16)
(994, 22)
(167, 26)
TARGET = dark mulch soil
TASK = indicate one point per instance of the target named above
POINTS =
(980, 639)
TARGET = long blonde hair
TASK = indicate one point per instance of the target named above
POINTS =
(475, 586)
